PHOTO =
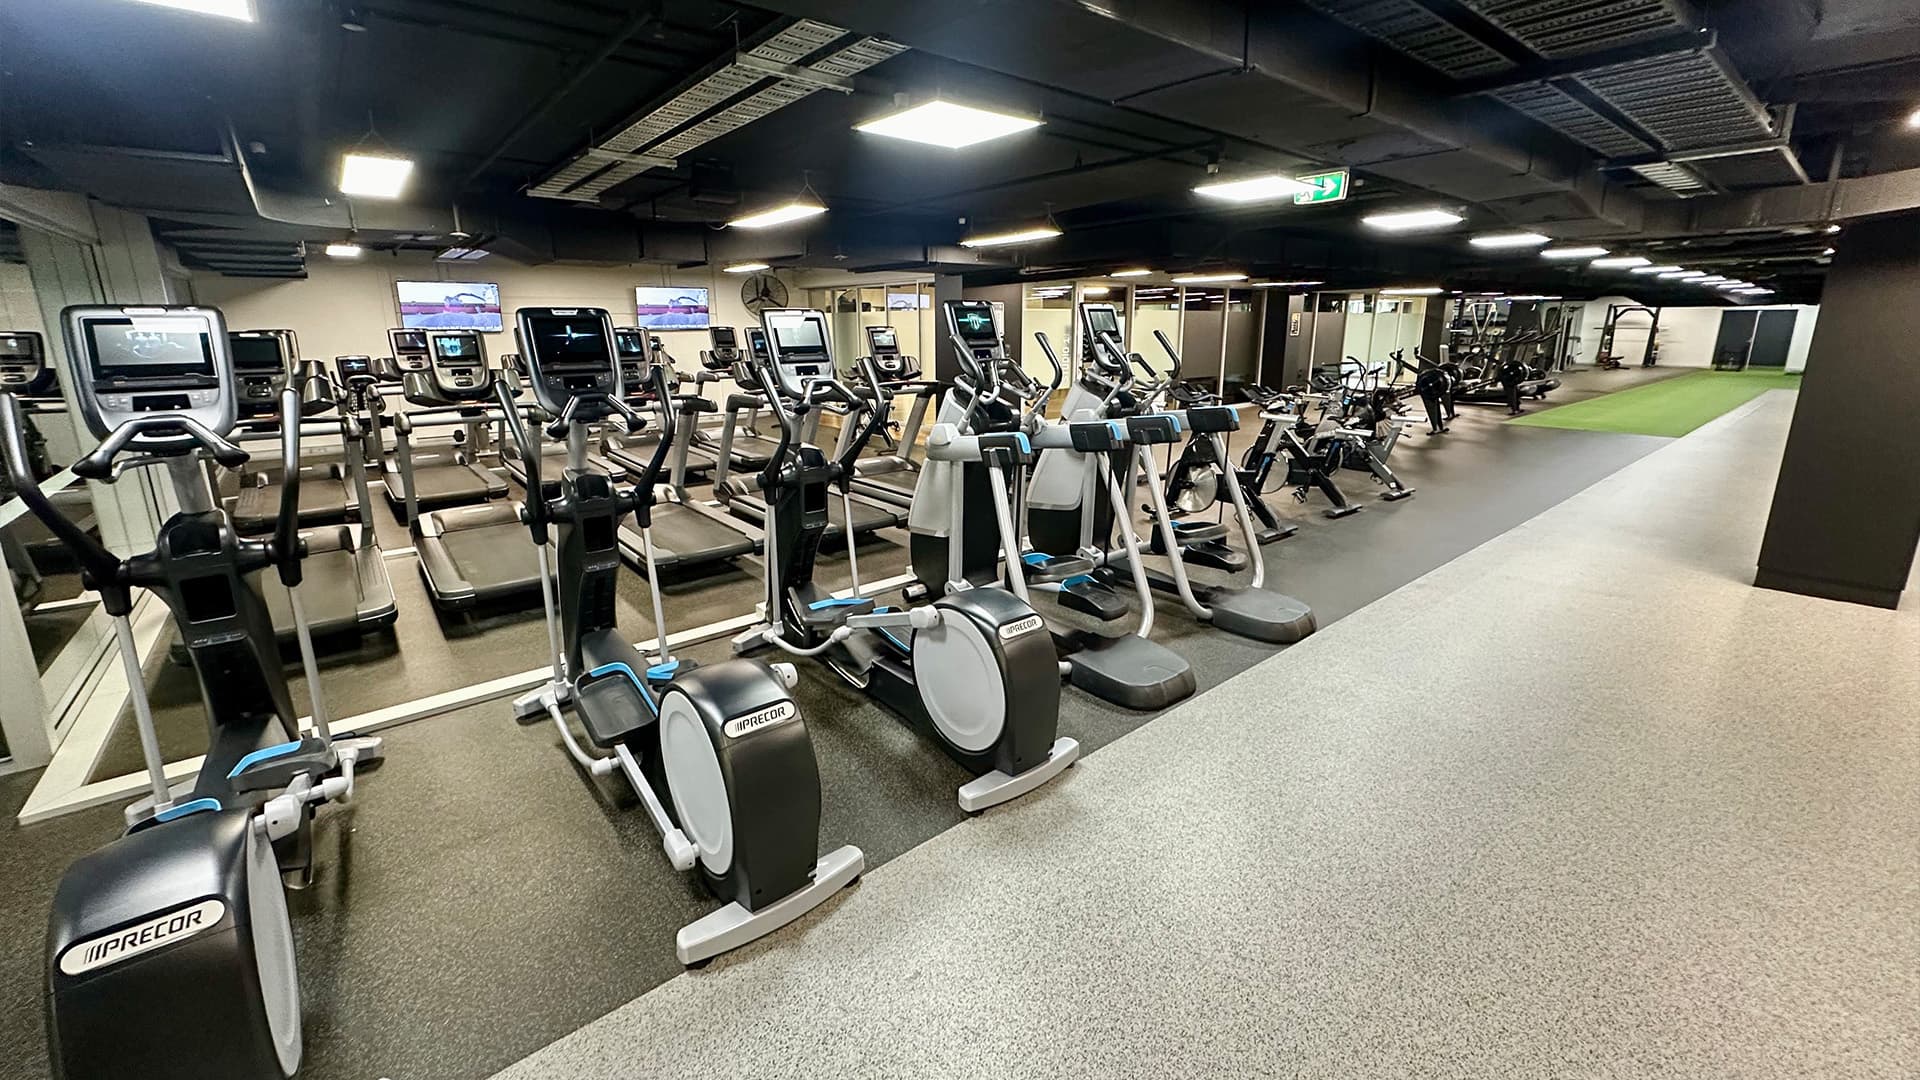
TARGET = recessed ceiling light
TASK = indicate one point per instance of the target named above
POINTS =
(1828, 252)
(1735, 285)
(374, 176)
(1683, 275)
(345, 251)
(1130, 273)
(226, 9)
(462, 254)
(1412, 220)
(1711, 279)
(1757, 291)
(1510, 240)
(779, 215)
(1096, 290)
(1254, 189)
(948, 124)
(1284, 284)
(1656, 270)
(745, 268)
(1208, 279)
(1420, 290)
(1573, 253)
(1831, 229)
(1619, 262)
(1019, 236)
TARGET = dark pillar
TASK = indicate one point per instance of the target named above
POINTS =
(1846, 510)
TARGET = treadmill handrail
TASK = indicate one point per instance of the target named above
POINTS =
(102, 566)
(534, 509)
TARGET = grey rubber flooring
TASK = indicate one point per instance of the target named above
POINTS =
(483, 898)
(1639, 820)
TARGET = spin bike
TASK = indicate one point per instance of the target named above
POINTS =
(975, 670)
(726, 744)
(169, 951)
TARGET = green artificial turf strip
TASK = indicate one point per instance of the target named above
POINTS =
(1671, 407)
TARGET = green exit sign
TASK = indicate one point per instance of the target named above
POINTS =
(1327, 187)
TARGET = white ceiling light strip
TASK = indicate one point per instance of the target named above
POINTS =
(620, 157)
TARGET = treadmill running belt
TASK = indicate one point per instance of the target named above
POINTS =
(683, 536)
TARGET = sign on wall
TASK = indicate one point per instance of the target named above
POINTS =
(1327, 187)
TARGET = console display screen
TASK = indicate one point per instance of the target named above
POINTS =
(469, 305)
(630, 344)
(409, 341)
(797, 334)
(568, 341)
(1102, 320)
(350, 366)
(883, 339)
(757, 343)
(723, 338)
(19, 347)
(457, 347)
(149, 346)
(256, 354)
(975, 322)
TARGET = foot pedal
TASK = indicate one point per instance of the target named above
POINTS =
(611, 705)
(1214, 555)
(274, 767)
(1090, 596)
(1044, 569)
(831, 612)
(1397, 494)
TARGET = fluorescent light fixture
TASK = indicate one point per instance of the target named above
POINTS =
(1533, 298)
(1421, 290)
(1284, 284)
(779, 215)
(1620, 262)
(948, 124)
(1573, 253)
(1096, 290)
(1412, 220)
(1254, 189)
(1913, 119)
(1511, 240)
(226, 9)
(375, 176)
(461, 254)
(345, 251)
(745, 268)
(1021, 236)
(1831, 229)
(1730, 285)
(1208, 279)
(1656, 269)
(1712, 279)
(1828, 252)
(1683, 275)
(1130, 273)
(1757, 291)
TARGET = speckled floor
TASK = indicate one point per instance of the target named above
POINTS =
(1621, 815)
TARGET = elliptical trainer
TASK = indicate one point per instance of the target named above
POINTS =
(726, 743)
(194, 891)
(976, 671)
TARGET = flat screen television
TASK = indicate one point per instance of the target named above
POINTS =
(671, 307)
(449, 305)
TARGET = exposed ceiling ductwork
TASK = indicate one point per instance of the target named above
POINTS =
(721, 102)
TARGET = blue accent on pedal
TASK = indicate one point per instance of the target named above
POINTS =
(1035, 558)
(1025, 446)
(663, 671)
(619, 668)
(265, 753)
(835, 601)
(891, 637)
(1077, 579)
(1119, 429)
(180, 810)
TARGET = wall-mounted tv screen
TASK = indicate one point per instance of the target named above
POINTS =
(449, 305)
(671, 307)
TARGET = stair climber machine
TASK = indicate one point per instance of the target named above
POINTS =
(473, 554)
(975, 670)
(724, 744)
(994, 399)
(170, 953)
(1108, 389)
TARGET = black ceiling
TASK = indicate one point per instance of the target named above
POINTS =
(1491, 107)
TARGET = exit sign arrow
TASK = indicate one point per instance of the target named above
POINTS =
(1327, 187)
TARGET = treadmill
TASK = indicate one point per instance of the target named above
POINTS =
(746, 450)
(264, 363)
(351, 594)
(439, 478)
(800, 352)
(631, 450)
(553, 455)
(891, 478)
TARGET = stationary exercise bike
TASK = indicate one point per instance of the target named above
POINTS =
(169, 951)
(725, 744)
(975, 670)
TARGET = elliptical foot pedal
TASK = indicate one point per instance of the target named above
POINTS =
(996, 787)
(610, 705)
(1130, 671)
(1088, 595)
(733, 926)
(1260, 614)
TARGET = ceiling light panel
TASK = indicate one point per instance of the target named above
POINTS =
(948, 124)
(1510, 240)
(1254, 189)
(374, 176)
(1412, 220)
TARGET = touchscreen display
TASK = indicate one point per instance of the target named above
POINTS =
(883, 339)
(157, 345)
(800, 334)
(1103, 321)
(410, 341)
(457, 347)
(975, 322)
(631, 344)
(256, 354)
(568, 341)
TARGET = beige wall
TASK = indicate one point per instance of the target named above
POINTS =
(346, 306)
